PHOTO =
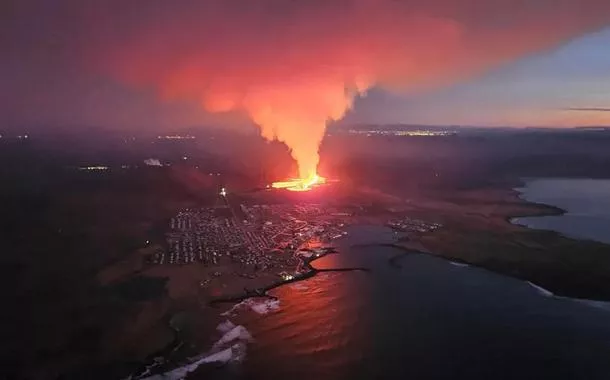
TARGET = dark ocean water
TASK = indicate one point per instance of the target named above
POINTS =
(429, 319)
(586, 201)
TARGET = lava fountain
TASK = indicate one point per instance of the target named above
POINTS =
(300, 184)
(296, 112)
(294, 69)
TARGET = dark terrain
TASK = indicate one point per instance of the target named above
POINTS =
(61, 226)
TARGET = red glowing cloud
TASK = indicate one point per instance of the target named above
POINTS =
(292, 66)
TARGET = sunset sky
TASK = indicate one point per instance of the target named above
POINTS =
(157, 64)
(566, 86)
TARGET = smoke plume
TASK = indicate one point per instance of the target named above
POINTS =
(293, 66)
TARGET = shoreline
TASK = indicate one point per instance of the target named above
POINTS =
(263, 291)
(544, 292)
(553, 211)
(549, 270)
(542, 208)
(543, 279)
(145, 366)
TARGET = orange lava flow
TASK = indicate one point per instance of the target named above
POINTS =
(300, 184)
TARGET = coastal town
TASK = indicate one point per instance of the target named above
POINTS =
(259, 237)
(243, 248)
(251, 239)
(407, 224)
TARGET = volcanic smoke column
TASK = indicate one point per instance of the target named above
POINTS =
(293, 66)
(296, 114)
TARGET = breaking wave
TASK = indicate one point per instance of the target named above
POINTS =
(236, 352)
(225, 327)
(230, 348)
(264, 306)
(238, 333)
(299, 286)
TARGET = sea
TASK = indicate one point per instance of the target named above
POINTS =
(586, 203)
(424, 318)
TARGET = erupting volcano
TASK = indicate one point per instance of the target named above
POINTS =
(291, 67)
(296, 111)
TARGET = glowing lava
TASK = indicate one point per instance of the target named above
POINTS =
(300, 184)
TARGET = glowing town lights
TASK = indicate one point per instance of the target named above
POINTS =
(403, 133)
(94, 168)
(300, 184)
(223, 192)
(176, 137)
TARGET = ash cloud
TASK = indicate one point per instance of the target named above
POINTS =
(289, 66)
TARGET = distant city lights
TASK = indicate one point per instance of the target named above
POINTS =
(93, 168)
(14, 137)
(153, 162)
(176, 137)
(401, 133)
